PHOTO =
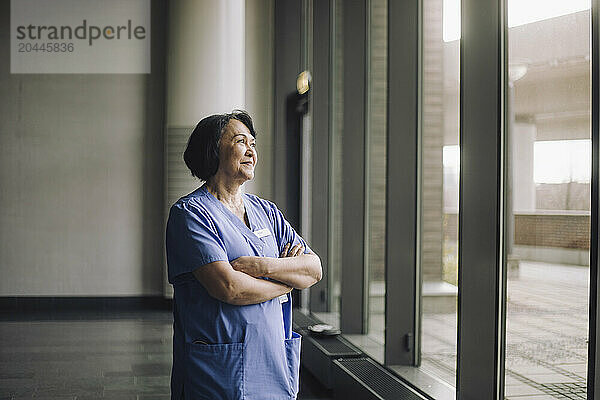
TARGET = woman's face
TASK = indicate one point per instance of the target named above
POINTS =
(237, 152)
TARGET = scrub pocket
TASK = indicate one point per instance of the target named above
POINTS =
(215, 371)
(292, 351)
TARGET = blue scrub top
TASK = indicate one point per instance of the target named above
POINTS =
(224, 351)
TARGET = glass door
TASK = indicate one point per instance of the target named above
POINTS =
(547, 219)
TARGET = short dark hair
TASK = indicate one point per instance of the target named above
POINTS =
(202, 152)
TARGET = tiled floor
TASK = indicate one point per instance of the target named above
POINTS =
(79, 356)
(546, 340)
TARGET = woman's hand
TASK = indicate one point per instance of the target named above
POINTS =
(295, 251)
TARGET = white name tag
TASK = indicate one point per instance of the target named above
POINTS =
(262, 233)
(283, 298)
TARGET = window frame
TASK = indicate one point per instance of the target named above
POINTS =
(593, 377)
(482, 205)
(481, 260)
(402, 324)
(354, 275)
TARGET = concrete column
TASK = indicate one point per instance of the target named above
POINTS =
(205, 70)
(522, 141)
(205, 75)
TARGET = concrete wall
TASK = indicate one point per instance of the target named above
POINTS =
(81, 178)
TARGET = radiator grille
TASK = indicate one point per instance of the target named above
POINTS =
(336, 347)
(378, 379)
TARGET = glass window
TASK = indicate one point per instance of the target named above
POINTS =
(440, 162)
(375, 171)
(332, 317)
(372, 342)
(548, 198)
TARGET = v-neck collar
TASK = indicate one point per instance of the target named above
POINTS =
(241, 225)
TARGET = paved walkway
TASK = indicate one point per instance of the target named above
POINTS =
(546, 339)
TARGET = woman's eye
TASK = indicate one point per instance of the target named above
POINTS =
(240, 141)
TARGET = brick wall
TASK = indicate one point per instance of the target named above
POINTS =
(567, 231)
(432, 141)
(450, 226)
(549, 230)
(377, 139)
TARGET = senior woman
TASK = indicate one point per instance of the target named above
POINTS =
(233, 260)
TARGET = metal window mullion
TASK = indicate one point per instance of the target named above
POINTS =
(481, 297)
(593, 377)
(306, 205)
(367, 169)
(403, 120)
(332, 109)
(353, 311)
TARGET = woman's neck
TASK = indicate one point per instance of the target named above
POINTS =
(226, 192)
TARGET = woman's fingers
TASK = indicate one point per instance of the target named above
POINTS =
(284, 253)
(293, 252)
(297, 250)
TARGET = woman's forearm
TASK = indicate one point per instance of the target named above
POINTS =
(249, 290)
(224, 283)
(298, 272)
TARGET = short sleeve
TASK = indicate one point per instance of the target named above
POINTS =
(191, 240)
(285, 233)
